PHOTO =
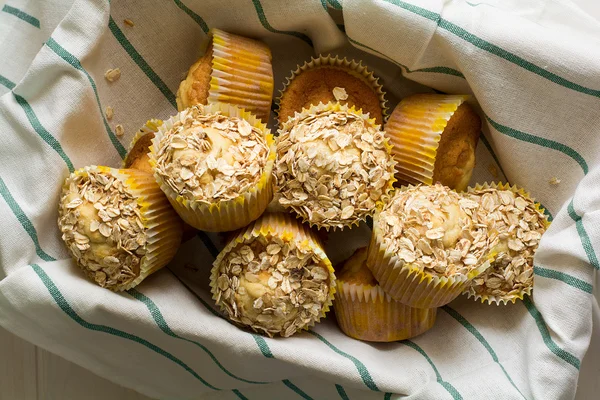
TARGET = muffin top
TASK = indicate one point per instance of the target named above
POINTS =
(137, 157)
(322, 85)
(195, 87)
(210, 158)
(273, 284)
(100, 221)
(428, 227)
(333, 167)
(355, 270)
(516, 225)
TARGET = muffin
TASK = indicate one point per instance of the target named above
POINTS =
(365, 312)
(215, 165)
(434, 137)
(137, 156)
(425, 248)
(515, 223)
(273, 277)
(331, 79)
(117, 225)
(233, 70)
(334, 166)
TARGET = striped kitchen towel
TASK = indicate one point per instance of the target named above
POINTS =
(533, 67)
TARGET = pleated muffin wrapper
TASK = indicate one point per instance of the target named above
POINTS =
(389, 187)
(415, 129)
(352, 67)
(161, 223)
(223, 215)
(366, 312)
(151, 126)
(242, 73)
(408, 284)
(512, 298)
(284, 226)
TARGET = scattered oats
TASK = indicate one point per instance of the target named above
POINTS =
(128, 22)
(494, 171)
(119, 131)
(112, 75)
(100, 222)
(340, 93)
(554, 181)
(109, 113)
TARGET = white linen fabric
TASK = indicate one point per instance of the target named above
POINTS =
(533, 67)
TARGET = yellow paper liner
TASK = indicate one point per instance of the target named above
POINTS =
(339, 107)
(354, 68)
(489, 299)
(286, 228)
(151, 126)
(163, 226)
(366, 312)
(415, 128)
(241, 73)
(224, 215)
(409, 285)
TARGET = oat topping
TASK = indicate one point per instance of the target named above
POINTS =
(429, 227)
(340, 93)
(272, 285)
(119, 130)
(101, 224)
(515, 226)
(209, 158)
(333, 167)
(112, 75)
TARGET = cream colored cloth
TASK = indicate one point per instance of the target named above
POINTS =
(534, 69)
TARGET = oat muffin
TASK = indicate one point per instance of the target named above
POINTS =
(117, 224)
(331, 79)
(364, 311)
(233, 70)
(515, 223)
(215, 165)
(434, 138)
(273, 277)
(334, 166)
(425, 248)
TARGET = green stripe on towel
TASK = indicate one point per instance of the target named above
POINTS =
(296, 389)
(162, 324)
(7, 83)
(552, 346)
(67, 309)
(75, 63)
(341, 392)
(449, 388)
(492, 48)
(463, 321)
(265, 23)
(583, 236)
(566, 278)
(193, 15)
(139, 60)
(24, 220)
(42, 132)
(21, 15)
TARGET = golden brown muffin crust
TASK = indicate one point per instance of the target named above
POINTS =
(138, 158)
(355, 270)
(316, 86)
(195, 87)
(455, 157)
